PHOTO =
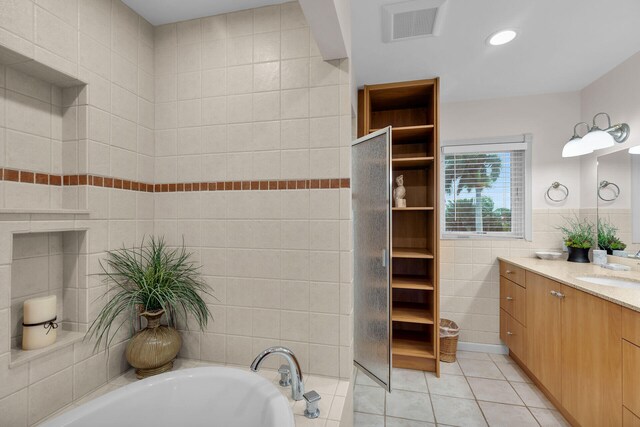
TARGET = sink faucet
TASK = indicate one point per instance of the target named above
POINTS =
(297, 387)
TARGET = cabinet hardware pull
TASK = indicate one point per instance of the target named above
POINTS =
(554, 293)
(509, 298)
(509, 272)
(509, 333)
(560, 295)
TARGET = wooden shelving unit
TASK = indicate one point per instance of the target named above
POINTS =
(411, 109)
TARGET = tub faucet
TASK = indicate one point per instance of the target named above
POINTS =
(297, 387)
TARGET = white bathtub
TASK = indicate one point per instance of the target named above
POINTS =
(209, 396)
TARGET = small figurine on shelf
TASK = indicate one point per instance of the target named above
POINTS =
(399, 192)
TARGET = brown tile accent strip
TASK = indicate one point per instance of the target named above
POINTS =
(31, 177)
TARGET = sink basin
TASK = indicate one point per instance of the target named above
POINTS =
(610, 281)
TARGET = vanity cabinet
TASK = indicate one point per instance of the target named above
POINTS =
(572, 345)
(631, 367)
(591, 355)
(544, 333)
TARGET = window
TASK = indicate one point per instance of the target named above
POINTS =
(486, 188)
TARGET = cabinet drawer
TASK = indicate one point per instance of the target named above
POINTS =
(513, 273)
(516, 338)
(631, 326)
(512, 334)
(630, 375)
(629, 419)
(513, 299)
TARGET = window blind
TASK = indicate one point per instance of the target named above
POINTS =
(484, 190)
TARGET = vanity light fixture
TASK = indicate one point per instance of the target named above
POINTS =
(595, 138)
(502, 37)
(634, 150)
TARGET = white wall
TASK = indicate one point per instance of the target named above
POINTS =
(617, 93)
(549, 118)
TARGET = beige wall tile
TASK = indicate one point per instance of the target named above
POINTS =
(43, 402)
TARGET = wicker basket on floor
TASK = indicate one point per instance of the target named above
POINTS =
(449, 332)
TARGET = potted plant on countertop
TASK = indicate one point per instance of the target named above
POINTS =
(607, 238)
(155, 282)
(579, 237)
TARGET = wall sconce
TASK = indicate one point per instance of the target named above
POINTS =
(595, 138)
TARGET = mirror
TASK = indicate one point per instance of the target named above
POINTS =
(618, 201)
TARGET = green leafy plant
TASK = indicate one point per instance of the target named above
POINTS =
(151, 278)
(578, 233)
(607, 238)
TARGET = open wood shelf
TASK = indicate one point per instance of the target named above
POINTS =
(414, 208)
(420, 253)
(406, 134)
(411, 282)
(412, 162)
(411, 313)
(411, 109)
(411, 344)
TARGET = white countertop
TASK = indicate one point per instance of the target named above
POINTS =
(566, 272)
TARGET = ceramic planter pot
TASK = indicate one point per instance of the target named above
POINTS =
(578, 255)
(152, 350)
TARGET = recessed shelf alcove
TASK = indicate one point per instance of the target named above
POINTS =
(48, 263)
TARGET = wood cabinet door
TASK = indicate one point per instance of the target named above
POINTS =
(629, 419)
(591, 359)
(630, 376)
(544, 334)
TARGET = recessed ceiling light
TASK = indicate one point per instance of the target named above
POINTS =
(502, 37)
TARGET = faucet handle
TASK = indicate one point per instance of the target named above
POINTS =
(285, 376)
(313, 400)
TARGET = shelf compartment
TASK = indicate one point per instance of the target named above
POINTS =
(419, 253)
(412, 344)
(412, 162)
(411, 313)
(418, 183)
(401, 106)
(419, 283)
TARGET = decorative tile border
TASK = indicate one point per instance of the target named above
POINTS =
(30, 177)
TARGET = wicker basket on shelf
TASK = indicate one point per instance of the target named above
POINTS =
(449, 332)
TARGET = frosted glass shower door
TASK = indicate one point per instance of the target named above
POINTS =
(371, 192)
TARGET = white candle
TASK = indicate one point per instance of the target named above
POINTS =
(38, 310)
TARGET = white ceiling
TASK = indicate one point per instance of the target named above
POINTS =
(160, 12)
(562, 45)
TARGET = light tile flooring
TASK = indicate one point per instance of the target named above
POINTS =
(479, 389)
(333, 392)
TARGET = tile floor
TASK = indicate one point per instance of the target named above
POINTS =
(479, 389)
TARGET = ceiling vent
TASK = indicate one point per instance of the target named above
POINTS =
(411, 19)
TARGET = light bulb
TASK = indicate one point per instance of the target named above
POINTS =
(598, 139)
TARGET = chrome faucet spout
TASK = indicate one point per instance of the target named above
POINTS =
(297, 386)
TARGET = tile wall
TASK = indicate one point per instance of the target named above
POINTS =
(246, 98)
(31, 115)
(103, 125)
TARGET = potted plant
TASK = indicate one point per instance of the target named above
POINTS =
(607, 238)
(579, 237)
(155, 282)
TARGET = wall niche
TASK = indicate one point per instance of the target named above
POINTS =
(49, 263)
